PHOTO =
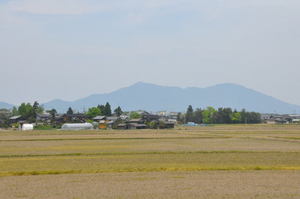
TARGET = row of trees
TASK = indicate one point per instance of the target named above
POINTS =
(207, 116)
(219, 116)
(29, 112)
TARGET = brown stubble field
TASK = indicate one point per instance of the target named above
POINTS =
(223, 161)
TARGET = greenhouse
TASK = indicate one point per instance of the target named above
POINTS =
(79, 126)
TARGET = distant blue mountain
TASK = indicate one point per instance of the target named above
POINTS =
(154, 98)
(5, 105)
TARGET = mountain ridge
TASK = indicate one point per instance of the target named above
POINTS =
(154, 97)
(5, 105)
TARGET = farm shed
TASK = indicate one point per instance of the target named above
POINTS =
(16, 119)
(137, 126)
(99, 118)
(102, 125)
(122, 126)
(167, 125)
(77, 126)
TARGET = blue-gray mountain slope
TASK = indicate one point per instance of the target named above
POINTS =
(154, 98)
(5, 105)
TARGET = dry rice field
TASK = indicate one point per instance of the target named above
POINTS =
(222, 161)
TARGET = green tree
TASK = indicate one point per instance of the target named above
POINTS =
(53, 113)
(236, 117)
(15, 111)
(198, 116)
(26, 111)
(93, 112)
(37, 109)
(101, 108)
(153, 125)
(189, 114)
(244, 116)
(208, 115)
(4, 117)
(135, 115)
(223, 116)
(107, 109)
(118, 111)
(70, 111)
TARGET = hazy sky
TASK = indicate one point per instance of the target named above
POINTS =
(69, 49)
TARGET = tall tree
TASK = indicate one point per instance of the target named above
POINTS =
(37, 109)
(101, 108)
(236, 117)
(118, 111)
(107, 109)
(53, 113)
(70, 111)
(15, 111)
(189, 114)
(208, 115)
(198, 116)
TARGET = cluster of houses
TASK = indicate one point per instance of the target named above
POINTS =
(159, 120)
(280, 119)
(82, 121)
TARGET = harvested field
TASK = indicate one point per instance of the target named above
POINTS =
(156, 185)
(212, 158)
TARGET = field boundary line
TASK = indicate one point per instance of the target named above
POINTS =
(163, 169)
(142, 153)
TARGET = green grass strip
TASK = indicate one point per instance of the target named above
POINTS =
(163, 169)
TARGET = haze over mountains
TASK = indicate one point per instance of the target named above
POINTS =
(152, 97)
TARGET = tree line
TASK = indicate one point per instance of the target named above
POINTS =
(211, 115)
(29, 112)
(104, 110)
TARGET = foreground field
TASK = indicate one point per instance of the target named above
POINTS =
(185, 162)
(156, 185)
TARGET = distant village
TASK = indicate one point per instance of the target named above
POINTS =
(30, 117)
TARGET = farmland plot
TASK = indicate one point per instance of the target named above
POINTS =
(226, 161)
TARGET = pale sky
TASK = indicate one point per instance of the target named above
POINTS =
(70, 49)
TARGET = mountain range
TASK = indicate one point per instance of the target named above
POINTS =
(5, 105)
(151, 97)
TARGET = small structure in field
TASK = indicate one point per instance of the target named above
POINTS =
(296, 121)
(136, 126)
(27, 127)
(77, 126)
(102, 124)
(44, 118)
(167, 125)
(99, 118)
